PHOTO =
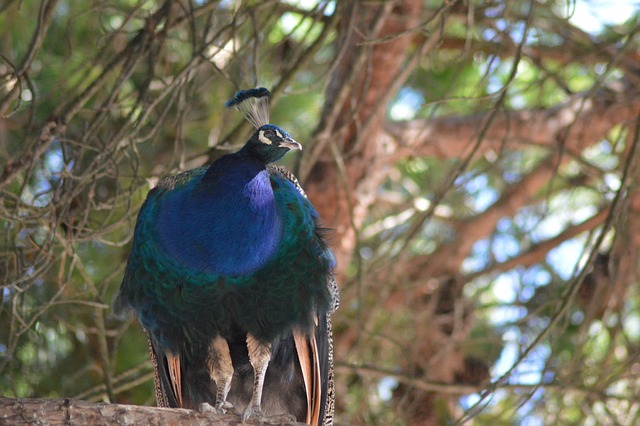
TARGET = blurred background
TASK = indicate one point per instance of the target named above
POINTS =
(477, 161)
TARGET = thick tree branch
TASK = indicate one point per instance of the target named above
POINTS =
(55, 412)
(537, 253)
(575, 124)
(449, 257)
(459, 388)
(424, 267)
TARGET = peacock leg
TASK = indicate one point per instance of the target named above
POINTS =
(259, 356)
(221, 372)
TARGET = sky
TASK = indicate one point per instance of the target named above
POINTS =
(592, 15)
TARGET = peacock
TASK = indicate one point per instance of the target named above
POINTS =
(231, 277)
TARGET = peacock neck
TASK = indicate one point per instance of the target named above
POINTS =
(233, 208)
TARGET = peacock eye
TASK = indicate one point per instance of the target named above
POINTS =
(269, 134)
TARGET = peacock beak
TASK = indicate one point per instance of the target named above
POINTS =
(291, 144)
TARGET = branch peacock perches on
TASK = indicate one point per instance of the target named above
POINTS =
(232, 280)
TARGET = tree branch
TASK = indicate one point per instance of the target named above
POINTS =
(55, 412)
(576, 124)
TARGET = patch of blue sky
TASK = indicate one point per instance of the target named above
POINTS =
(385, 388)
(505, 289)
(494, 10)
(406, 105)
(530, 420)
(479, 194)
(529, 218)
(565, 257)
(564, 212)
(504, 316)
(505, 246)
(489, 34)
(526, 293)
(547, 227)
(329, 6)
(479, 258)
(603, 155)
(223, 4)
(467, 180)
(593, 16)
(510, 352)
(38, 193)
(482, 200)
(504, 224)
(54, 160)
(469, 401)
(612, 181)
(536, 276)
(530, 279)
(542, 222)
(631, 325)
(528, 371)
(501, 24)
(517, 33)
(473, 404)
(493, 70)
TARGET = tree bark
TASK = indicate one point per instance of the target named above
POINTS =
(343, 171)
(52, 412)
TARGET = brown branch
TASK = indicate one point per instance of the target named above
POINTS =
(577, 124)
(449, 257)
(585, 54)
(73, 412)
(429, 266)
(538, 252)
(464, 389)
(574, 125)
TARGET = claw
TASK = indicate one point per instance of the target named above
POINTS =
(205, 407)
(223, 406)
(252, 412)
(220, 407)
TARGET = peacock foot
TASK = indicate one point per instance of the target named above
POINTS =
(220, 407)
(224, 406)
(281, 419)
(252, 412)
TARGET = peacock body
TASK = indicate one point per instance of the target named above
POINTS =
(231, 277)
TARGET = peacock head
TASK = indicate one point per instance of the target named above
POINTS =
(270, 143)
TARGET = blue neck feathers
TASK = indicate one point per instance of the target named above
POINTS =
(233, 208)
